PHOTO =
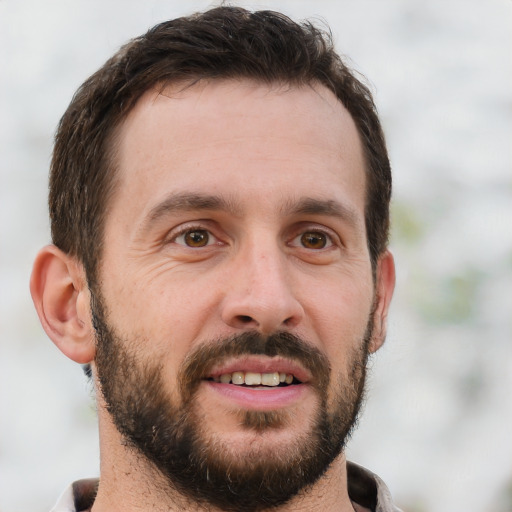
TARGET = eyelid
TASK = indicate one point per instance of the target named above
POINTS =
(181, 230)
(333, 238)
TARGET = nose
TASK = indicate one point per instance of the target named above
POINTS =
(261, 295)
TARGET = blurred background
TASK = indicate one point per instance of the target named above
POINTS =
(437, 426)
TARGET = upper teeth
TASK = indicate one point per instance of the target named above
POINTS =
(254, 379)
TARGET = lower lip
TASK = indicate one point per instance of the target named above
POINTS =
(262, 399)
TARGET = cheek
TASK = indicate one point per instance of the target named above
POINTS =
(166, 321)
(340, 315)
(158, 298)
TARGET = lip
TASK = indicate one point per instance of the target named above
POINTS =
(259, 399)
(262, 364)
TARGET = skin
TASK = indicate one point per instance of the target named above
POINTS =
(264, 153)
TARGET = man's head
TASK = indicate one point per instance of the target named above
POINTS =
(219, 201)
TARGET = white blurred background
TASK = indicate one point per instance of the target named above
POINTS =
(438, 423)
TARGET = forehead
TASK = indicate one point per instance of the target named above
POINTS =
(237, 137)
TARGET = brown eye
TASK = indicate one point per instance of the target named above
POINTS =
(313, 240)
(196, 238)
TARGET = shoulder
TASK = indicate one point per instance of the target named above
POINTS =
(368, 490)
(78, 497)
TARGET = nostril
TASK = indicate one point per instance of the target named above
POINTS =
(245, 319)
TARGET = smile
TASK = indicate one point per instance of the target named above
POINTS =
(272, 379)
(259, 383)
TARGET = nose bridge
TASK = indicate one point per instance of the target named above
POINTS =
(268, 277)
(261, 293)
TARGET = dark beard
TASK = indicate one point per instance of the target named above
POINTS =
(174, 439)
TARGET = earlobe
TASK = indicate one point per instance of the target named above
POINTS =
(61, 297)
(384, 287)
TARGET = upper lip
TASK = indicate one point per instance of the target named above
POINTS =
(261, 364)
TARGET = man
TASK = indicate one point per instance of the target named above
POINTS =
(219, 203)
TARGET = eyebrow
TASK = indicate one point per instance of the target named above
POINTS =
(189, 201)
(326, 207)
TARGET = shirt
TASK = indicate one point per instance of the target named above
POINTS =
(366, 490)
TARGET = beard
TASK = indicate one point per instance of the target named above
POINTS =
(173, 435)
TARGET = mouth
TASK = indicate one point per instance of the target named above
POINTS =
(256, 383)
(257, 371)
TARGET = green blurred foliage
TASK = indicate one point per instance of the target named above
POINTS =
(450, 299)
(406, 226)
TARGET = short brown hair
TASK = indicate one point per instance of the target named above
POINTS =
(222, 43)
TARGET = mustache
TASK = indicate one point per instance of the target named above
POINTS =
(282, 344)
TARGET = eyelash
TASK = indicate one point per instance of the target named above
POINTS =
(190, 229)
(330, 238)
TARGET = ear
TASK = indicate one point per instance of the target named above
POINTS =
(384, 287)
(59, 290)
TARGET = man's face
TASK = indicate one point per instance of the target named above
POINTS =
(235, 257)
